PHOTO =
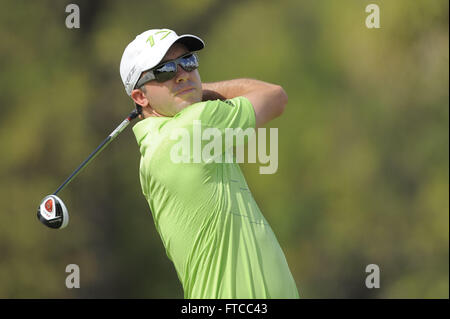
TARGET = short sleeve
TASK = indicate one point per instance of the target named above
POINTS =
(231, 121)
(233, 113)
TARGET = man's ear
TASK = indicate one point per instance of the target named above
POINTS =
(139, 97)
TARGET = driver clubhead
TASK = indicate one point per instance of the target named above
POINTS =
(53, 213)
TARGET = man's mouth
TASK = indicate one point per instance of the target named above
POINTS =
(185, 91)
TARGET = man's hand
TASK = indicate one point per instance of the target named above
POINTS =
(268, 100)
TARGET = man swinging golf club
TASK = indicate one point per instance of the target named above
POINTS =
(213, 231)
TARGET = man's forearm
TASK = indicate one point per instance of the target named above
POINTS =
(229, 89)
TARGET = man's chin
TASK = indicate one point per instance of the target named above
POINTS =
(188, 101)
(182, 106)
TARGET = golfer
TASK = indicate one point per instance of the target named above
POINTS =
(211, 227)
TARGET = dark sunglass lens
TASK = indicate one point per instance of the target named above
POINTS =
(189, 62)
(165, 72)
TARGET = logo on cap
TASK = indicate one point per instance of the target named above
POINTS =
(133, 69)
(151, 40)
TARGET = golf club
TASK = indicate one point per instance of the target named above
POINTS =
(52, 211)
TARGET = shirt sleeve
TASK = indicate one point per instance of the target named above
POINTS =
(233, 113)
(231, 121)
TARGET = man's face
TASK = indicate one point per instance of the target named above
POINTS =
(170, 97)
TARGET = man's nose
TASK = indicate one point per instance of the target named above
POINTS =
(182, 75)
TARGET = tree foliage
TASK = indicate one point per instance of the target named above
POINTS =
(363, 144)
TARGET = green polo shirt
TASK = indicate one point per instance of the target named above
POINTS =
(211, 227)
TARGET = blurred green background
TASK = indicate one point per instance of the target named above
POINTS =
(363, 174)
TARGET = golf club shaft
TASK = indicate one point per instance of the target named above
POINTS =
(99, 148)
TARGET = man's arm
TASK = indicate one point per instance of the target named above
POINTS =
(268, 100)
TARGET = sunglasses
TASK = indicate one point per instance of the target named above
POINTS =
(167, 70)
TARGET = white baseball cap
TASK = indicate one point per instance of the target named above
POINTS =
(147, 51)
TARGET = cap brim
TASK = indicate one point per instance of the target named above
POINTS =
(192, 42)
